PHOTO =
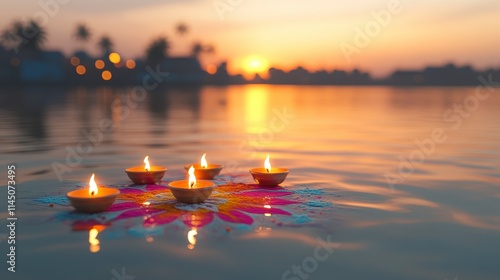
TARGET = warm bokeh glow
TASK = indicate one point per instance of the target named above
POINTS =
(106, 75)
(93, 190)
(267, 164)
(130, 64)
(114, 58)
(192, 178)
(81, 70)
(255, 65)
(75, 61)
(211, 69)
(203, 161)
(99, 64)
(147, 167)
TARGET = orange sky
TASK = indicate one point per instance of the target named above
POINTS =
(284, 33)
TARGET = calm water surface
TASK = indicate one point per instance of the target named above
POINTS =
(402, 211)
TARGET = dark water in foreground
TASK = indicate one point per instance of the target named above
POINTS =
(416, 179)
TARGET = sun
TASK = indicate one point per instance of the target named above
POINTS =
(255, 65)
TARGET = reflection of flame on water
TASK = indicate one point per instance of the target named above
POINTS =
(94, 242)
(191, 238)
(149, 239)
(267, 207)
(146, 163)
(263, 231)
(203, 162)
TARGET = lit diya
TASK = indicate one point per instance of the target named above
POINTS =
(93, 199)
(268, 176)
(146, 174)
(205, 170)
(191, 191)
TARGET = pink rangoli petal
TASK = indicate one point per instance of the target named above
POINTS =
(153, 188)
(280, 201)
(131, 191)
(262, 193)
(123, 206)
(234, 216)
(161, 219)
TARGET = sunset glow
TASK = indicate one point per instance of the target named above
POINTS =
(255, 65)
(308, 34)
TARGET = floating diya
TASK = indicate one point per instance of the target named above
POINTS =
(93, 199)
(146, 174)
(205, 170)
(268, 176)
(191, 191)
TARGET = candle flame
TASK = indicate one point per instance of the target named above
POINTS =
(93, 190)
(94, 242)
(204, 163)
(267, 164)
(191, 238)
(192, 178)
(146, 163)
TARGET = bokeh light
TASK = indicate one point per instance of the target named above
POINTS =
(75, 61)
(99, 64)
(15, 61)
(106, 75)
(211, 69)
(114, 58)
(81, 70)
(130, 64)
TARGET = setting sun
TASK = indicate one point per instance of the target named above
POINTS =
(255, 65)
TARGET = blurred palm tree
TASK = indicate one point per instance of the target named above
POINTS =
(105, 44)
(82, 33)
(181, 29)
(157, 51)
(36, 36)
(198, 48)
(29, 36)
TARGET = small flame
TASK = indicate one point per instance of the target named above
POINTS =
(191, 238)
(192, 178)
(146, 163)
(267, 164)
(204, 163)
(94, 242)
(92, 186)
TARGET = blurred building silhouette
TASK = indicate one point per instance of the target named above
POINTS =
(53, 68)
(300, 76)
